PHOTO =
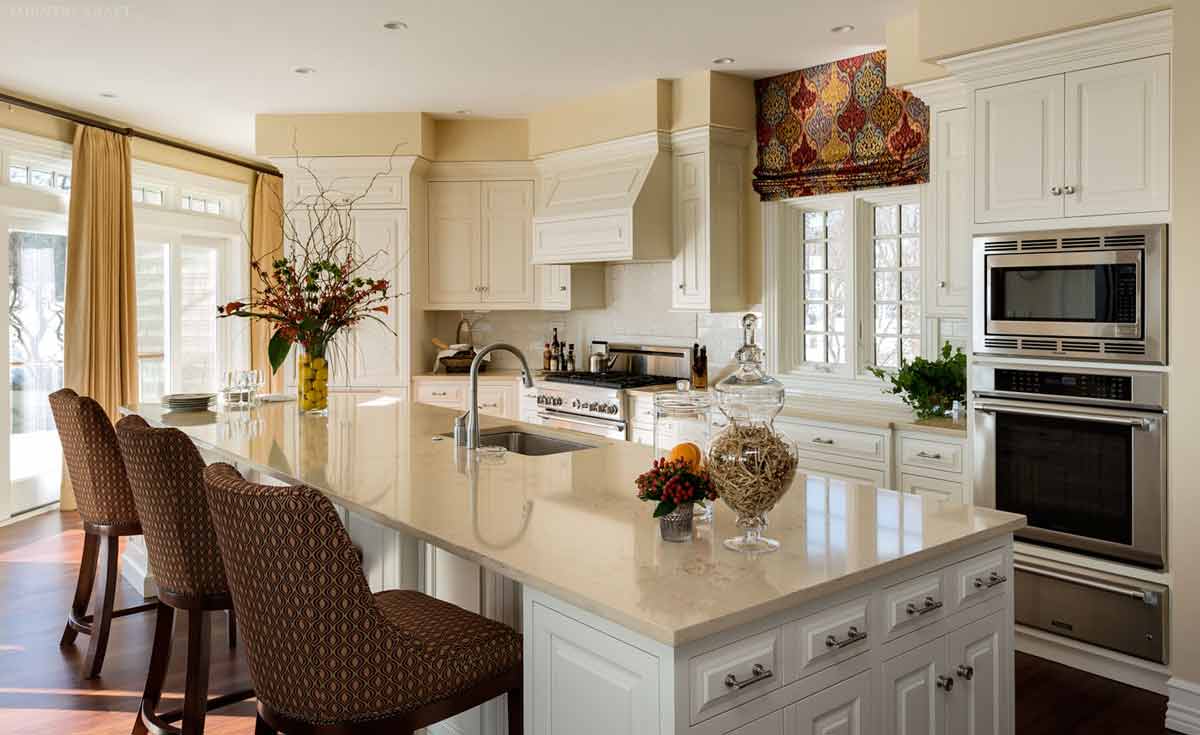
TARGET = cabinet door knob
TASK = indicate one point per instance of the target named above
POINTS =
(1068, 189)
(945, 683)
(681, 287)
(941, 284)
(562, 288)
(1056, 190)
(965, 672)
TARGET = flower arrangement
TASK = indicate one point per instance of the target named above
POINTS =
(316, 288)
(930, 387)
(674, 482)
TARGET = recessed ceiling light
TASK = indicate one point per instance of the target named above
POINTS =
(304, 70)
(722, 60)
(462, 112)
(841, 29)
(396, 25)
(109, 95)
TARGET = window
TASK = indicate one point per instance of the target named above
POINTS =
(896, 283)
(200, 204)
(825, 291)
(39, 176)
(148, 195)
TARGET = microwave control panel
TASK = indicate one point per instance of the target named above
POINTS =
(1075, 385)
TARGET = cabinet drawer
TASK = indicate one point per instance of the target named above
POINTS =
(842, 442)
(817, 641)
(914, 604)
(582, 239)
(932, 488)
(642, 409)
(734, 674)
(497, 400)
(979, 578)
(442, 393)
(772, 724)
(642, 435)
(930, 455)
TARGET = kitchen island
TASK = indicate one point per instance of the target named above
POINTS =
(882, 612)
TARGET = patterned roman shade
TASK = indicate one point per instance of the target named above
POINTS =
(838, 127)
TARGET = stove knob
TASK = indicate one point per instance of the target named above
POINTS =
(593, 406)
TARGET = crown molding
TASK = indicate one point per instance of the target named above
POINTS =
(704, 136)
(346, 165)
(477, 170)
(1121, 40)
(632, 146)
(946, 93)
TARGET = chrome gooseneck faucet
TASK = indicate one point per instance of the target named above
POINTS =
(466, 426)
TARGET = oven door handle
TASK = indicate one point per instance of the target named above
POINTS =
(1134, 422)
(1137, 594)
(609, 427)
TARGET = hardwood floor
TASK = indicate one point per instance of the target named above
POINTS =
(41, 691)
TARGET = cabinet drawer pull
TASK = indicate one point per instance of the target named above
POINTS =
(929, 455)
(853, 635)
(1056, 190)
(439, 393)
(929, 606)
(1068, 189)
(965, 672)
(819, 440)
(993, 579)
(757, 674)
(562, 288)
(945, 683)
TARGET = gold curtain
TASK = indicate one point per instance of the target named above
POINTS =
(266, 241)
(100, 345)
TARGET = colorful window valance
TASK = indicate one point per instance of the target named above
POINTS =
(838, 127)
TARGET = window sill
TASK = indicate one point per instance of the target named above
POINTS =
(861, 388)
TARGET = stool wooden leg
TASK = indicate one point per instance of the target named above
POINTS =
(231, 627)
(516, 712)
(83, 587)
(102, 606)
(261, 727)
(195, 697)
(160, 660)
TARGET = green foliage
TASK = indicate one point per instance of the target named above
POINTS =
(277, 350)
(930, 387)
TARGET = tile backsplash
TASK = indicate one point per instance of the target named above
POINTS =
(637, 309)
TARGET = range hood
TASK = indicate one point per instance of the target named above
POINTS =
(610, 202)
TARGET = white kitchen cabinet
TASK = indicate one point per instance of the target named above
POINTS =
(1118, 130)
(932, 487)
(772, 724)
(567, 287)
(1090, 142)
(480, 239)
(845, 451)
(913, 691)
(934, 465)
(709, 185)
(379, 355)
(390, 558)
(843, 709)
(497, 396)
(980, 703)
(948, 211)
(1019, 150)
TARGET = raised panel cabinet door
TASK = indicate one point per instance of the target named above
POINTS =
(455, 271)
(507, 242)
(585, 682)
(1019, 151)
(951, 287)
(914, 697)
(1119, 138)
(690, 266)
(379, 348)
(842, 709)
(931, 487)
(977, 660)
(555, 281)
(772, 724)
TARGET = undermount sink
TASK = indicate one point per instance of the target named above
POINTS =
(522, 442)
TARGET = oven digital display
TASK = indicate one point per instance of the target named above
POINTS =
(1078, 385)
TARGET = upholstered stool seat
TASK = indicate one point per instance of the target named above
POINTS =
(106, 506)
(328, 657)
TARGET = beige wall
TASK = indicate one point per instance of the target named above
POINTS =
(344, 134)
(1184, 424)
(691, 101)
(481, 140)
(639, 108)
(951, 27)
(904, 65)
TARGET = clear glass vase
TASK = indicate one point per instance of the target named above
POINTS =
(682, 422)
(676, 526)
(312, 378)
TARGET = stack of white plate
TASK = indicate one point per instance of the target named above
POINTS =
(188, 401)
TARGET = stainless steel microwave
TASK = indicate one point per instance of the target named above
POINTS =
(1098, 294)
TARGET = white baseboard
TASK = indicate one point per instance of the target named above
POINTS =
(1183, 706)
(1094, 660)
(24, 516)
(135, 567)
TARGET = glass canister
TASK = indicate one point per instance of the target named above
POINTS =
(751, 464)
(682, 422)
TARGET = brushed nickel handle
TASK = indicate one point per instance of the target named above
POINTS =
(927, 455)
(1068, 189)
(562, 288)
(757, 674)
(945, 683)
(929, 606)
(819, 440)
(965, 672)
(993, 579)
(440, 393)
(853, 635)
(941, 284)
(1056, 190)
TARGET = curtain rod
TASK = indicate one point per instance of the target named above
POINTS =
(133, 133)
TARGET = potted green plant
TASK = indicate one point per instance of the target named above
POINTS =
(930, 387)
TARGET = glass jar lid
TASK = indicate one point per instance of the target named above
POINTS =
(749, 394)
(683, 397)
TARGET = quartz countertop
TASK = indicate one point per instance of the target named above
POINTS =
(569, 524)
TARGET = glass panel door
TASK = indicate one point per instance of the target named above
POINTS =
(37, 266)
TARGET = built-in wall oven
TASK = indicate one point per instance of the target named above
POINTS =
(1096, 294)
(1080, 452)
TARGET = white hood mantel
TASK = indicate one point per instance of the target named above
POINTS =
(606, 202)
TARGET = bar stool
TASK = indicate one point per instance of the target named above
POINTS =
(328, 657)
(106, 506)
(166, 474)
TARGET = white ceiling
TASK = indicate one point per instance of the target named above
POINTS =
(201, 70)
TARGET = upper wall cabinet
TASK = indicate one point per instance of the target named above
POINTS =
(567, 287)
(948, 210)
(710, 181)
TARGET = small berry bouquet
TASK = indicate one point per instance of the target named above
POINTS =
(674, 482)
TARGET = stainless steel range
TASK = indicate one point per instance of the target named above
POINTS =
(597, 403)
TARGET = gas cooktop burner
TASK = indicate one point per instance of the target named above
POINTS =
(619, 381)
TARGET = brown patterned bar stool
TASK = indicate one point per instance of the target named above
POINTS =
(328, 657)
(106, 507)
(166, 474)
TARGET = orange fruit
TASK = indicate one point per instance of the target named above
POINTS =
(689, 452)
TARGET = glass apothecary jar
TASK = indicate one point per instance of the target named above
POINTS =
(682, 426)
(751, 464)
